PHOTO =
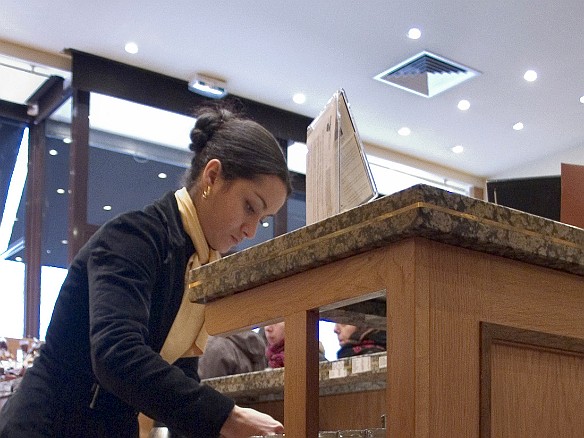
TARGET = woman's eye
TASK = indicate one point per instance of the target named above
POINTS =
(249, 208)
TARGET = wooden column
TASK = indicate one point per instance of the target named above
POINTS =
(33, 227)
(78, 172)
(301, 374)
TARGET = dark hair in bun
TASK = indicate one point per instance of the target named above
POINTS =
(245, 148)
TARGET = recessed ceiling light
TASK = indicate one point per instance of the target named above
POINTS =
(131, 48)
(60, 191)
(299, 98)
(458, 149)
(582, 99)
(463, 105)
(64, 241)
(53, 152)
(17, 259)
(414, 33)
(530, 75)
(162, 175)
(404, 132)
(107, 207)
(518, 126)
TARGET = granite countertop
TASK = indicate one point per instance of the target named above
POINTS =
(419, 211)
(353, 374)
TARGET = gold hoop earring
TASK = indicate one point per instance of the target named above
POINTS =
(207, 192)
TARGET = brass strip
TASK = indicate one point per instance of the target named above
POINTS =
(417, 205)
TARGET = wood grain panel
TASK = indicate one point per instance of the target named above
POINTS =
(532, 383)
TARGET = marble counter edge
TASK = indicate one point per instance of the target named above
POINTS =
(420, 211)
(354, 374)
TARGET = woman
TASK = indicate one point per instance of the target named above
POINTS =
(275, 345)
(122, 328)
(357, 340)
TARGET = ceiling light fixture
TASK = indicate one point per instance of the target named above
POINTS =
(463, 105)
(582, 99)
(299, 98)
(458, 149)
(208, 86)
(131, 48)
(404, 131)
(414, 33)
(530, 75)
(162, 175)
(518, 126)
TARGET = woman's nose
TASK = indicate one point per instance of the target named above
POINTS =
(249, 229)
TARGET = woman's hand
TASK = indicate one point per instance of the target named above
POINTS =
(246, 422)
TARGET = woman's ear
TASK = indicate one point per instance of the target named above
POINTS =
(211, 172)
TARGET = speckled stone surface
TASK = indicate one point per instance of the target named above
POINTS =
(422, 211)
(356, 374)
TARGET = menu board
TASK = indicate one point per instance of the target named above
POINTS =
(338, 176)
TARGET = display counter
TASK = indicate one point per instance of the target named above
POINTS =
(343, 382)
(482, 304)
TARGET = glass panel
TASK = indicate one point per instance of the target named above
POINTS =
(54, 251)
(13, 171)
(296, 210)
(137, 154)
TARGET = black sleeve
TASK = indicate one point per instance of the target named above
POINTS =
(123, 269)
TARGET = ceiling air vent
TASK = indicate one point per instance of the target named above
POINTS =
(426, 74)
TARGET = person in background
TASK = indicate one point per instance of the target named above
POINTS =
(357, 340)
(234, 354)
(275, 348)
(123, 336)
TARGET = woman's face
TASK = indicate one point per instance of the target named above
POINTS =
(232, 210)
(344, 332)
(274, 333)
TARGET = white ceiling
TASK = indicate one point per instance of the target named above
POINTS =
(269, 50)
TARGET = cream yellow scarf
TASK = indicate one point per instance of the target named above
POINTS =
(187, 336)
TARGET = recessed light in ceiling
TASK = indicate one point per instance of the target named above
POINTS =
(61, 191)
(131, 48)
(582, 99)
(414, 33)
(405, 131)
(458, 149)
(530, 75)
(299, 98)
(463, 105)
(518, 126)
(107, 207)
(426, 74)
(162, 175)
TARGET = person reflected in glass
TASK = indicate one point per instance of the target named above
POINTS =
(275, 334)
(357, 340)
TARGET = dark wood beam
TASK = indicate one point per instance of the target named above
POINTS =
(104, 76)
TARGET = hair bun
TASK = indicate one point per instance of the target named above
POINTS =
(208, 122)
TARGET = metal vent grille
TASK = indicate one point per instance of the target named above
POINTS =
(426, 74)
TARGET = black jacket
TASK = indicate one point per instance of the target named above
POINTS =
(110, 320)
